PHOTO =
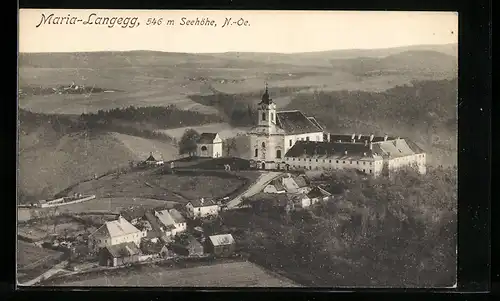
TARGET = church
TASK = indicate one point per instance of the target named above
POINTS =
(276, 133)
(290, 140)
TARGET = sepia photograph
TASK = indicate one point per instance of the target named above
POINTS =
(198, 148)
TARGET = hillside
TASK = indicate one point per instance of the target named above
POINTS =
(149, 78)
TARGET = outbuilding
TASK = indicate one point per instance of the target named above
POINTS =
(222, 245)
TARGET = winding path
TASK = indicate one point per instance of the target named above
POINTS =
(54, 270)
(264, 179)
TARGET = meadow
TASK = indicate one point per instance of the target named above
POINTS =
(230, 274)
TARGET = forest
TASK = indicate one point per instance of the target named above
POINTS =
(140, 121)
(386, 231)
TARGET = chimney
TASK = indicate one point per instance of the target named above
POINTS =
(359, 137)
(353, 136)
(345, 153)
(202, 200)
(366, 142)
(120, 219)
(364, 154)
(371, 146)
(328, 137)
(385, 137)
(371, 137)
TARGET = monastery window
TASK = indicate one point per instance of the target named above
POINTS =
(309, 160)
(316, 160)
(278, 154)
(370, 171)
(263, 116)
(330, 161)
(364, 163)
(351, 162)
(324, 160)
(290, 142)
(307, 138)
(256, 152)
(272, 116)
(371, 163)
(364, 170)
(263, 144)
(293, 159)
(343, 162)
(310, 167)
(357, 162)
(337, 161)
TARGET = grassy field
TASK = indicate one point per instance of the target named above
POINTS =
(232, 274)
(162, 187)
(142, 147)
(30, 256)
(98, 205)
(46, 162)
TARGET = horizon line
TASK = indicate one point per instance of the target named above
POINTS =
(228, 52)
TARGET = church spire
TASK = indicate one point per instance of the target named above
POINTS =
(265, 97)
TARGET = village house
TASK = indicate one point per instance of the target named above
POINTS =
(188, 246)
(318, 194)
(291, 140)
(172, 221)
(114, 233)
(276, 186)
(209, 145)
(120, 254)
(202, 208)
(222, 245)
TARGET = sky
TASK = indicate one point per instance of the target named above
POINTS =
(265, 31)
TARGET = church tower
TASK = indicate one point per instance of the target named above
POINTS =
(267, 110)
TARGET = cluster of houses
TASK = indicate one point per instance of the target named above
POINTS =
(294, 191)
(139, 234)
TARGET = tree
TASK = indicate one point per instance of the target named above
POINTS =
(230, 147)
(187, 144)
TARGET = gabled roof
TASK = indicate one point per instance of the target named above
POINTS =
(177, 216)
(203, 203)
(221, 239)
(207, 138)
(133, 212)
(301, 181)
(315, 122)
(278, 184)
(123, 250)
(151, 158)
(165, 218)
(318, 192)
(116, 228)
(329, 150)
(294, 122)
(154, 221)
(396, 148)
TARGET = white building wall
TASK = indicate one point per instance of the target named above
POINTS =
(268, 152)
(368, 166)
(291, 139)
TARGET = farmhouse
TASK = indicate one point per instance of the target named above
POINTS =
(293, 141)
(120, 254)
(222, 245)
(114, 233)
(202, 208)
(276, 186)
(209, 145)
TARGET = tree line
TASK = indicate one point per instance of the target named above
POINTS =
(398, 230)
